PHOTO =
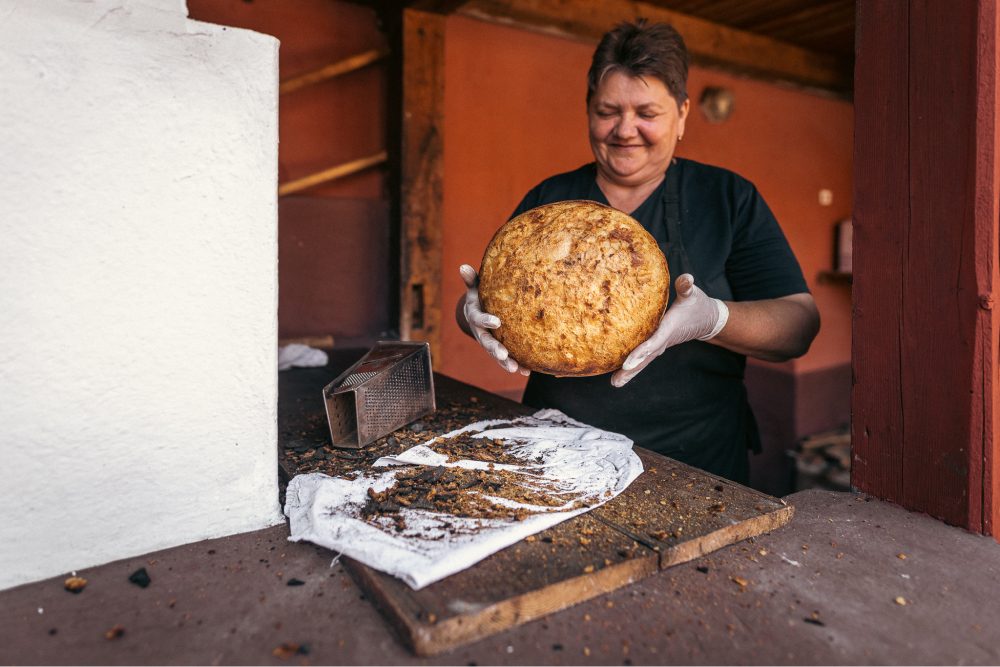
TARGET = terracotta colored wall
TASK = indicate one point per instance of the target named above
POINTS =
(331, 122)
(514, 110)
(334, 267)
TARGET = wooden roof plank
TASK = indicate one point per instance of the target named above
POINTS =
(709, 43)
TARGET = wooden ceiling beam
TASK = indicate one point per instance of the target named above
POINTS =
(709, 43)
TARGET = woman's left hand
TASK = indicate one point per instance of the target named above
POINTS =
(693, 316)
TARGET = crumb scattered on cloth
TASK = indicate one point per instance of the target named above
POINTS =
(428, 514)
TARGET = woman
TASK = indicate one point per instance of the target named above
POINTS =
(740, 293)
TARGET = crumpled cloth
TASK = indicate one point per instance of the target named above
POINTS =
(586, 465)
(297, 354)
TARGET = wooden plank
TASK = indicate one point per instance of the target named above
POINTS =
(709, 43)
(671, 514)
(531, 578)
(422, 174)
(683, 512)
(534, 578)
(881, 214)
(332, 174)
(332, 70)
(323, 341)
(939, 283)
(521, 583)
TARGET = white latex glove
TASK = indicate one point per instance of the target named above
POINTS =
(480, 323)
(693, 316)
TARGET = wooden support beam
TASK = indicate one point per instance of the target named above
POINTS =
(422, 173)
(332, 70)
(709, 43)
(332, 174)
(926, 207)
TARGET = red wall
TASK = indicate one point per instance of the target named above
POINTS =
(327, 123)
(334, 263)
(514, 114)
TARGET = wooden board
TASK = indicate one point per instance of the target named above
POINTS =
(574, 561)
(682, 512)
(671, 514)
(629, 538)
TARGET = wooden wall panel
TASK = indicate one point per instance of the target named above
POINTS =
(939, 314)
(422, 173)
(926, 222)
(332, 259)
(881, 212)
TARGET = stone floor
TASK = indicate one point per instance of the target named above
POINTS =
(848, 581)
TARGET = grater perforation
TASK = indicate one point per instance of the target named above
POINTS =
(356, 378)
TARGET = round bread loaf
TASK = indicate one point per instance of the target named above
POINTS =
(576, 285)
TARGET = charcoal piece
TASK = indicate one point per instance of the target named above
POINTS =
(431, 475)
(140, 578)
(421, 504)
(295, 582)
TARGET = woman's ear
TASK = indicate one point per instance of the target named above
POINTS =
(682, 117)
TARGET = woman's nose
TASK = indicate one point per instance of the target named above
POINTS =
(626, 127)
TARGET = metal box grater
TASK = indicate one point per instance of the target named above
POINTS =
(389, 387)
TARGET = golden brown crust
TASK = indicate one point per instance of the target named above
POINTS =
(576, 285)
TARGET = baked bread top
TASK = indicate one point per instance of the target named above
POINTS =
(577, 286)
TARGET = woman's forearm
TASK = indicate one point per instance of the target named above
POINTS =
(772, 329)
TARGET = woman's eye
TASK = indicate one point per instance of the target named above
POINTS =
(648, 116)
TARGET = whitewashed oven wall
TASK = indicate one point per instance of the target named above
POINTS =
(138, 282)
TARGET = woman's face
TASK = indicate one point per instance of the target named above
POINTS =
(634, 125)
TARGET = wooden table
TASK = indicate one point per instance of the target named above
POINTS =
(671, 514)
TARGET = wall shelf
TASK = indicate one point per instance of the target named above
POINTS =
(835, 277)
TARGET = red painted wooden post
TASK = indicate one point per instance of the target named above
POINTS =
(881, 207)
(988, 256)
(925, 229)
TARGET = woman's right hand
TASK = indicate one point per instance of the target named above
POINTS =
(480, 323)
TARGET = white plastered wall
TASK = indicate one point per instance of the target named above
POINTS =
(138, 282)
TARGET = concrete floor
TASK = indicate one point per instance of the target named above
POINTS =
(821, 590)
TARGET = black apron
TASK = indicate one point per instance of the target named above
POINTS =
(690, 402)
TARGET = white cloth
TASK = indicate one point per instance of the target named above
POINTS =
(591, 465)
(297, 354)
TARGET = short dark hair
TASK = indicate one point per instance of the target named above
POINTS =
(642, 49)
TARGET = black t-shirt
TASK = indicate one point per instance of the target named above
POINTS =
(690, 402)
